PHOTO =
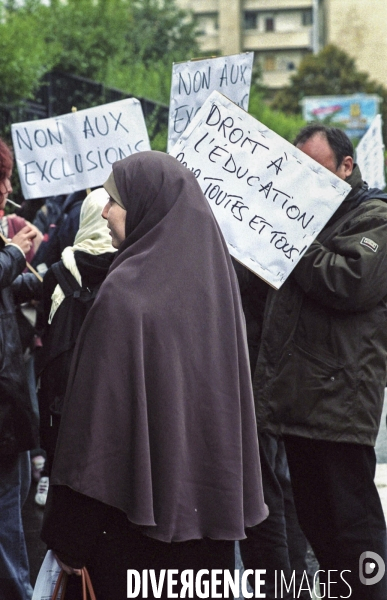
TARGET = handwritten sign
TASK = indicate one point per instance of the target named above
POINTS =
(269, 198)
(76, 151)
(193, 82)
(370, 155)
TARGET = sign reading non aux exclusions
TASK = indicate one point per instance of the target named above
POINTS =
(76, 151)
(269, 198)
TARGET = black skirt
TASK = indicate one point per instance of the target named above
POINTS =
(84, 531)
(123, 563)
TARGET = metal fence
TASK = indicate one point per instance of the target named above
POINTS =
(59, 92)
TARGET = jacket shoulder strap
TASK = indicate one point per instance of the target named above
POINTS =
(66, 280)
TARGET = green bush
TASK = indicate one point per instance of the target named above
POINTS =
(287, 126)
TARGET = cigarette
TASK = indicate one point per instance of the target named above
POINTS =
(14, 203)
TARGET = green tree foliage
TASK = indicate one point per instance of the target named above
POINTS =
(162, 30)
(160, 34)
(24, 55)
(286, 125)
(128, 44)
(330, 72)
(85, 34)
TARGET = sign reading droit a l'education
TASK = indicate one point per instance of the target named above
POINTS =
(76, 151)
(193, 82)
(269, 198)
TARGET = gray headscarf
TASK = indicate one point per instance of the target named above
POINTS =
(159, 419)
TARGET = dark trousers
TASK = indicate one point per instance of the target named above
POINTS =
(15, 478)
(277, 544)
(340, 512)
(117, 551)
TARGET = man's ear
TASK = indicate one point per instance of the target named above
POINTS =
(346, 167)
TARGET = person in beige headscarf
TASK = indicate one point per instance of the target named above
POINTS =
(92, 238)
(69, 289)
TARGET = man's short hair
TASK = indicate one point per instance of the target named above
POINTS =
(336, 138)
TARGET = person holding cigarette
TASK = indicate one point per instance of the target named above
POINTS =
(18, 426)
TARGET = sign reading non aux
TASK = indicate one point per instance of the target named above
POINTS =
(193, 82)
(76, 151)
(269, 198)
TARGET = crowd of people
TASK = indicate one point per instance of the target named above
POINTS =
(182, 404)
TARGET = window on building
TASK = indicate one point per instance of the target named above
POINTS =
(269, 24)
(250, 19)
(307, 17)
(269, 63)
(207, 23)
(285, 61)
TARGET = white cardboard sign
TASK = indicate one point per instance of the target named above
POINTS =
(370, 155)
(269, 198)
(76, 151)
(47, 578)
(193, 82)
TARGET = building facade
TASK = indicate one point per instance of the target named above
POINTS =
(359, 28)
(281, 32)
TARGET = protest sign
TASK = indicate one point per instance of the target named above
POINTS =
(269, 198)
(76, 151)
(370, 155)
(193, 82)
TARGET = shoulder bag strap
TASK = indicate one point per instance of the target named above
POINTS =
(66, 280)
(60, 586)
(87, 585)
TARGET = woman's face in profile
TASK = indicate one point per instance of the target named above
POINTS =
(115, 216)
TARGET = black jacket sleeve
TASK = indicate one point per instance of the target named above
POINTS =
(12, 263)
(350, 274)
(26, 287)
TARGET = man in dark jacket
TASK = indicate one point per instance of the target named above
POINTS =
(320, 376)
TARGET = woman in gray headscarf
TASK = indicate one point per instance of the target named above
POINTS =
(157, 464)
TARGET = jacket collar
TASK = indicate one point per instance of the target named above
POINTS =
(354, 197)
(359, 193)
(356, 182)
